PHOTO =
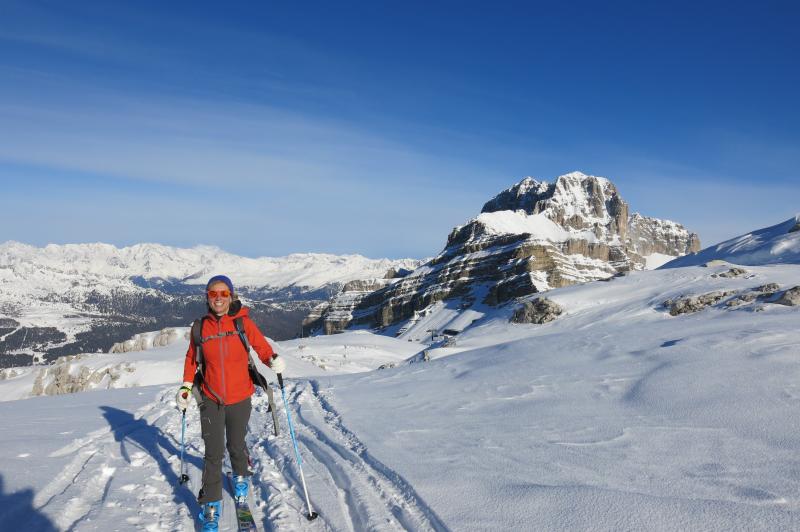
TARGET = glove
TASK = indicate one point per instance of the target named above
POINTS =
(277, 364)
(184, 393)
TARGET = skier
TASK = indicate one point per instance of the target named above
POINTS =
(222, 385)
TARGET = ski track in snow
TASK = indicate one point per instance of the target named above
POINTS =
(103, 484)
(349, 488)
(126, 476)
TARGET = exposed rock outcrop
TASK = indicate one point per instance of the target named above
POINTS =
(765, 294)
(733, 272)
(791, 297)
(65, 376)
(687, 305)
(769, 288)
(8, 373)
(741, 299)
(540, 310)
(144, 341)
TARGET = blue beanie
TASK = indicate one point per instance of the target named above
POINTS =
(220, 279)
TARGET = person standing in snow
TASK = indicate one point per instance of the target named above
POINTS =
(222, 386)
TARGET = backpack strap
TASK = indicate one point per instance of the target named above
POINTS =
(255, 376)
(198, 340)
(239, 323)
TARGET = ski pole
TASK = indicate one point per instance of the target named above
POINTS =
(311, 515)
(184, 476)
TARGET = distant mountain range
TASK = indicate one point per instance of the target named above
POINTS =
(529, 238)
(61, 300)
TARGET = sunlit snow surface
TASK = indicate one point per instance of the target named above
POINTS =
(777, 244)
(616, 416)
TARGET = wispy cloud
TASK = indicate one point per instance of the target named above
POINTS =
(307, 183)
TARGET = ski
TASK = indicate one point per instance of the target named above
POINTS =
(271, 400)
(244, 517)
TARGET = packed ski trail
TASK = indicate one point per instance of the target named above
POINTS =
(102, 481)
(350, 489)
(126, 476)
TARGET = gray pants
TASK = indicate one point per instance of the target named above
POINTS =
(217, 422)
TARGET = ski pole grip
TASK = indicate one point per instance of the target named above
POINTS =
(280, 376)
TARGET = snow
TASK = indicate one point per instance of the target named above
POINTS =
(616, 416)
(519, 222)
(656, 260)
(770, 245)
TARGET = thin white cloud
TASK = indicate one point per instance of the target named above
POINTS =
(197, 142)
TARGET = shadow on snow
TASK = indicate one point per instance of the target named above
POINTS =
(18, 513)
(129, 430)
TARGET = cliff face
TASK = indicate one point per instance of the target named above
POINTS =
(651, 235)
(574, 201)
(531, 237)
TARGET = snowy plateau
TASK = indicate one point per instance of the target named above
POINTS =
(622, 413)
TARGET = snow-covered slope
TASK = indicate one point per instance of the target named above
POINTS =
(772, 245)
(616, 416)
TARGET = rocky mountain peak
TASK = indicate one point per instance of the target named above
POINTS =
(531, 237)
(575, 201)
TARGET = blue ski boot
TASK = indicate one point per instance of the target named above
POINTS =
(209, 517)
(240, 487)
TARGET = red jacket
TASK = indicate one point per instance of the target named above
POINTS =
(225, 359)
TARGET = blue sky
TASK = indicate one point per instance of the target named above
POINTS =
(268, 128)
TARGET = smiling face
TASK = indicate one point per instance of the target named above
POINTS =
(217, 301)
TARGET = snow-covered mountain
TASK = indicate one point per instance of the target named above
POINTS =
(777, 244)
(630, 411)
(529, 238)
(156, 263)
(61, 300)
